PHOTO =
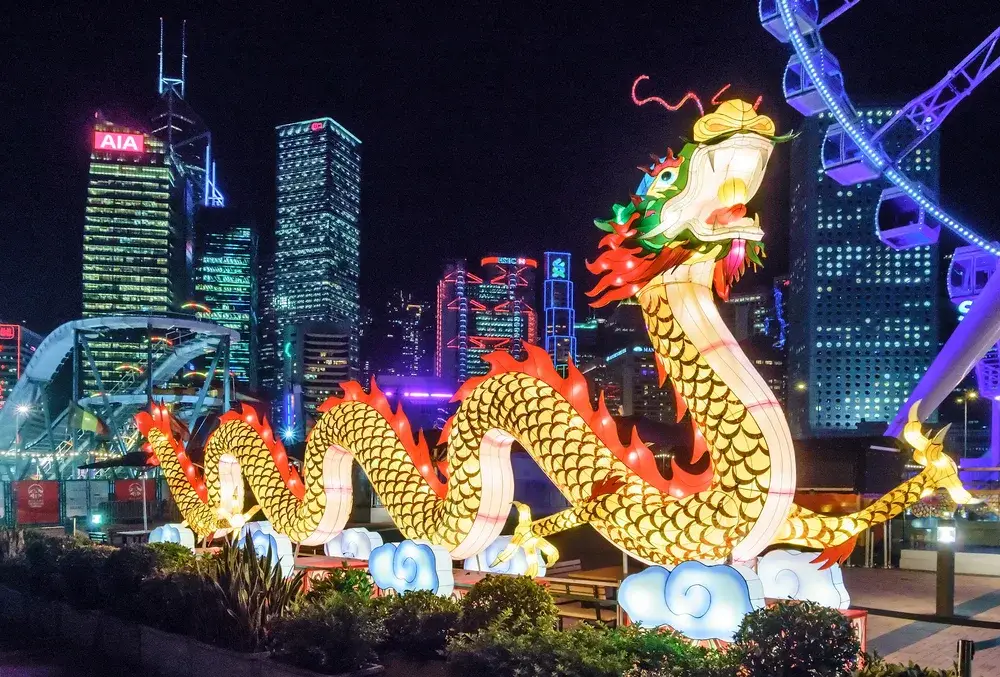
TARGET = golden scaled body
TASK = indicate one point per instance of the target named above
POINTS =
(670, 251)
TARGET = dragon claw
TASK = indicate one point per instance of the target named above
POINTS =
(836, 554)
(533, 544)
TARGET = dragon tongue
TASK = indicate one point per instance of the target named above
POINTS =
(734, 259)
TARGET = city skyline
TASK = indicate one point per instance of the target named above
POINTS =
(454, 128)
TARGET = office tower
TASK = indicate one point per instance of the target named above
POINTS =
(560, 316)
(17, 345)
(133, 240)
(224, 272)
(316, 361)
(480, 313)
(632, 388)
(316, 262)
(399, 343)
(268, 356)
(862, 317)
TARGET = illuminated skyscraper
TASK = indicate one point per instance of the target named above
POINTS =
(560, 316)
(862, 317)
(478, 314)
(224, 272)
(316, 362)
(133, 243)
(316, 263)
(17, 345)
(318, 237)
(400, 340)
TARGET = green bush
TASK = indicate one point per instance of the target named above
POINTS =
(516, 603)
(344, 581)
(796, 639)
(12, 545)
(43, 553)
(660, 650)
(83, 571)
(874, 666)
(171, 557)
(334, 635)
(177, 603)
(419, 623)
(500, 652)
(249, 593)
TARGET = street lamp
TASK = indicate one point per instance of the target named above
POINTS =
(964, 400)
(21, 411)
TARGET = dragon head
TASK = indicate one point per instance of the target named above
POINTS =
(691, 207)
(941, 471)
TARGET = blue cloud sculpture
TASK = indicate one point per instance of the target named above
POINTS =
(265, 539)
(516, 565)
(697, 600)
(355, 543)
(412, 565)
(790, 574)
(173, 533)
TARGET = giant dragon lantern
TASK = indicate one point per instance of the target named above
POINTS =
(681, 240)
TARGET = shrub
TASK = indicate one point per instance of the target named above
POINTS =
(874, 666)
(171, 557)
(499, 651)
(658, 650)
(796, 639)
(517, 603)
(83, 572)
(337, 634)
(249, 592)
(11, 545)
(419, 623)
(177, 603)
(43, 553)
(344, 581)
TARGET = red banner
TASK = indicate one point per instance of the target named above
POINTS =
(37, 501)
(131, 490)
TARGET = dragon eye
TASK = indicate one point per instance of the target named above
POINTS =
(668, 176)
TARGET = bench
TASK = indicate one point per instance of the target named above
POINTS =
(563, 567)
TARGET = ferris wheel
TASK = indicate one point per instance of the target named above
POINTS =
(908, 215)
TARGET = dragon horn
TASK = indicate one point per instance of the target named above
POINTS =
(913, 432)
(941, 434)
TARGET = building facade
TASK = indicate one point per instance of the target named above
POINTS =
(317, 255)
(224, 280)
(478, 313)
(133, 237)
(632, 387)
(560, 315)
(862, 317)
(17, 345)
(400, 339)
(316, 361)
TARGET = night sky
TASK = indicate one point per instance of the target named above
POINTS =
(487, 126)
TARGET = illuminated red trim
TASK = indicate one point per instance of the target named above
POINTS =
(509, 261)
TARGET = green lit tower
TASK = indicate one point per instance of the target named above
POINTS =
(316, 263)
(224, 278)
(133, 249)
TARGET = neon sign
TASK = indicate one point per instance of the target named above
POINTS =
(510, 261)
(123, 143)
(8, 331)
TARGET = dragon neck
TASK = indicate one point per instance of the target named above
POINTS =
(730, 403)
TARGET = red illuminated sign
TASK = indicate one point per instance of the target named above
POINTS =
(8, 331)
(122, 143)
(510, 261)
(316, 126)
(36, 501)
(131, 490)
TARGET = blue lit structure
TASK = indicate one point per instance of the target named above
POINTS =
(816, 76)
(852, 153)
(188, 139)
(317, 259)
(560, 316)
(480, 313)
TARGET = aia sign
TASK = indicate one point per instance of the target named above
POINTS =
(123, 143)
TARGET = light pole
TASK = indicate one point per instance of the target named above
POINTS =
(969, 395)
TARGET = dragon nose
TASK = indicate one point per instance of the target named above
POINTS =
(732, 192)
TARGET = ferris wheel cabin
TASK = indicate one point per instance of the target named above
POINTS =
(806, 15)
(803, 91)
(901, 223)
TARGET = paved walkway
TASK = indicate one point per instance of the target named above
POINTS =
(930, 644)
